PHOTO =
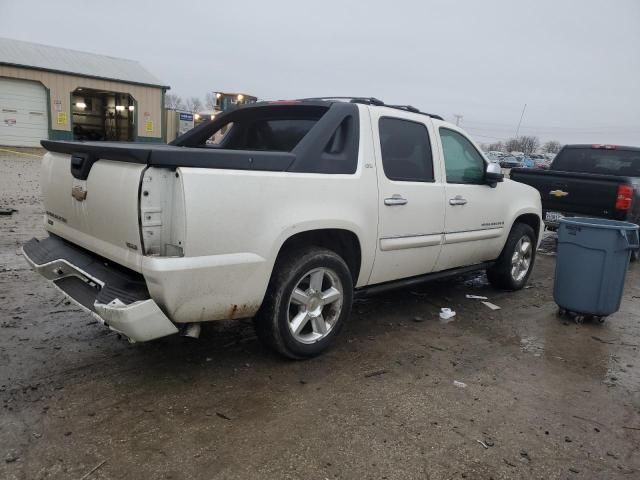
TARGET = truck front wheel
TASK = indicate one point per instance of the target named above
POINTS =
(513, 268)
(307, 302)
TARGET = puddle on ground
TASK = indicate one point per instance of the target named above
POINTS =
(475, 280)
(549, 243)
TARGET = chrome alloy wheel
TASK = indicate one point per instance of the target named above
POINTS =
(521, 259)
(315, 305)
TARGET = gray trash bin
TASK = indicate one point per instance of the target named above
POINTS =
(591, 265)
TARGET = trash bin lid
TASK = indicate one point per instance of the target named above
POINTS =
(603, 223)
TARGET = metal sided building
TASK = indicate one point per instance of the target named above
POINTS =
(60, 94)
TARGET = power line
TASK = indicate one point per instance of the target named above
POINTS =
(549, 128)
(520, 122)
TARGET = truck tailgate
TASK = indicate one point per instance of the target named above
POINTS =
(99, 213)
(575, 193)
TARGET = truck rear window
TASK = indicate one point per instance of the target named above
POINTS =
(281, 135)
(624, 163)
(293, 136)
(274, 129)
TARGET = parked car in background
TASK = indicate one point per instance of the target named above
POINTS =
(601, 181)
(300, 206)
(510, 162)
(542, 163)
(527, 162)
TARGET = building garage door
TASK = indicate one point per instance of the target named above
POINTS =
(23, 113)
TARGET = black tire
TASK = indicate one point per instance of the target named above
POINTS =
(272, 320)
(499, 274)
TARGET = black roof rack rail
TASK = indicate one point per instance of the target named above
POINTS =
(377, 103)
(363, 100)
(413, 109)
(408, 108)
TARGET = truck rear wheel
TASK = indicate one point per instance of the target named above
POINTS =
(513, 268)
(307, 303)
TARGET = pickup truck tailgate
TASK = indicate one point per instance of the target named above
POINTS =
(571, 192)
(99, 213)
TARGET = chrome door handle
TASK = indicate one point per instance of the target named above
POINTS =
(395, 200)
(457, 200)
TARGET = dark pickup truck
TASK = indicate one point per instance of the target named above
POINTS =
(600, 181)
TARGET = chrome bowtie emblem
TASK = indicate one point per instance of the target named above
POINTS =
(79, 193)
(558, 193)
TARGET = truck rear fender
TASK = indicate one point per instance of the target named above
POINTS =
(344, 242)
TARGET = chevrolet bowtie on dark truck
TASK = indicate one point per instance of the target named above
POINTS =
(601, 181)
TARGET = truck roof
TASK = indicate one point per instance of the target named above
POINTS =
(603, 146)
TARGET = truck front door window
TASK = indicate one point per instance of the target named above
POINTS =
(463, 163)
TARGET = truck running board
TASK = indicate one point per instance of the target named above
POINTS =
(408, 282)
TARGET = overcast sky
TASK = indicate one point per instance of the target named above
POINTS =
(576, 64)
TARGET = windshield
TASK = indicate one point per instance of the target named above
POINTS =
(598, 160)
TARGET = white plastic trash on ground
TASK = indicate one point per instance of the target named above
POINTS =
(446, 314)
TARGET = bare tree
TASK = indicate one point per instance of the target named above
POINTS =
(210, 101)
(529, 144)
(496, 147)
(512, 145)
(525, 144)
(193, 104)
(552, 146)
(173, 101)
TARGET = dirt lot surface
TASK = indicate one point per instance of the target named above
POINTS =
(541, 397)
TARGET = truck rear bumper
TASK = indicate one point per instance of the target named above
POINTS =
(116, 296)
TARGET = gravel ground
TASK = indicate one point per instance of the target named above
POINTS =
(541, 397)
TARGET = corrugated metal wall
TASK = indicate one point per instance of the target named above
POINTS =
(149, 99)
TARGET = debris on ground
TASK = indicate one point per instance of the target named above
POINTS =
(477, 297)
(446, 313)
(458, 384)
(375, 373)
(492, 306)
(483, 444)
(418, 319)
(7, 211)
(88, 474)
(11, 457)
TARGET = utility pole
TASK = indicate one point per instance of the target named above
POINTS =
(520, 122)
(458, 118)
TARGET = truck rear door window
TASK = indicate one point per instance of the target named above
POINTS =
(598, 160)
(406, 150)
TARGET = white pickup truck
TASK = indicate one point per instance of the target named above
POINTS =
(280, 211)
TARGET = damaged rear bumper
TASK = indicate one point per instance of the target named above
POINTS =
(116, 296)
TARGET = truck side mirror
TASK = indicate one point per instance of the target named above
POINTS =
(493, 174)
